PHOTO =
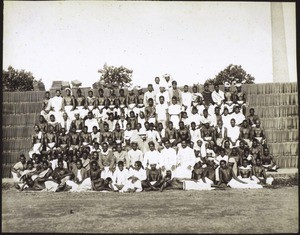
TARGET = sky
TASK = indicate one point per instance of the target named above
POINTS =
(192, 41)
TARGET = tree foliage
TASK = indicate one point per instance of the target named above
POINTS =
(232, 74)
(17, 80)
(112, 76)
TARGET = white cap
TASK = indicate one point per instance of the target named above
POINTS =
(226, 84)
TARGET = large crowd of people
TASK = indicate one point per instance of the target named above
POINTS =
(164, 138)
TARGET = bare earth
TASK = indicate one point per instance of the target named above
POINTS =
(230, 211)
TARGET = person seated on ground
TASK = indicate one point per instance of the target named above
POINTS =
(268, 161)
(80, 102)
(198, 180)
(60, 176)
(106, 161)
(136, 176)
(57, 157)
(29, 171)
(256, 149)
(29, 184)
(171, 183)
(74, 140)
(258, 133)
(234, 159)
(90, 122)
(210, 170)
(80, 180)
(220, 133)
(245, 174)
(41, 176)
(152, 156)
(95, 175)
(259, 173)
(233, 134)
(171, 134)
(168, 159)
(37, 141)
(228, 178)
(134, 155)
(121, 155)
(240, 97)
(17, 171)
(185, 161)
(237, 115)
(154, 179)
(252, 117)
(228, 97)
(221, 157)
(120, 177)
(245, 133)
(174, 113)
(50, 140)
(85, 160)
(77, 123)
(183, 133)
(36, 160)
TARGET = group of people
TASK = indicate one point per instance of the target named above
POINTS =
(160, 139)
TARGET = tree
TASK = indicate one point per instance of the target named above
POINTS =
(113, 76)
(17, 80)
(232, 74)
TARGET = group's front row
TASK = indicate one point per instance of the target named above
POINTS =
(212, 173)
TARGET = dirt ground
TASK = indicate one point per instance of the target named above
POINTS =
(230, 211)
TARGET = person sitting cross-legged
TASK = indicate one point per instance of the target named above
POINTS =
(153, 181)
(259, 173)
(120, 177)
(245, 174)
(80, 181)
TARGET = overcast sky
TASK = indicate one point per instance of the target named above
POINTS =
(192, 41)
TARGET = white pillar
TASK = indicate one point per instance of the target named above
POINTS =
(279, 51)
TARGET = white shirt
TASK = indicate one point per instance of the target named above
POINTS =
(66, 124)
(220, 158)
(151, 157)
(217, 97)
(128, 134)
(79, 175)
(161, 110)
(174, 109)
(205, 119)
(195, 135)
(122, 123)
(120, 177)
(96, 136)
(233, 133)
(167, 85)
(141, 174)
(90, 123)
(164, 94)
(239, 118)
(226, 120)
(134, 156)
(186, 157)
(147, 96)
(186, 98)
(195, 118)
(153, 135)
(168, 158)
(56, 103)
